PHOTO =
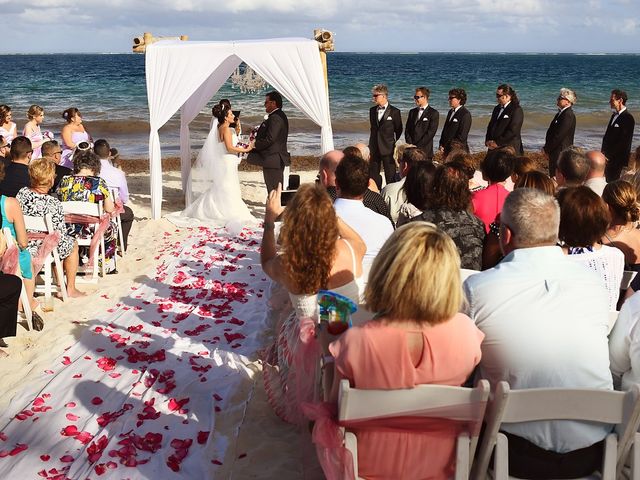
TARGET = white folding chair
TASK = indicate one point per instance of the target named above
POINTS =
(115, 194)
(24, 298)
(356, 404)
(591, 405)
(45, 225)
(92, 210)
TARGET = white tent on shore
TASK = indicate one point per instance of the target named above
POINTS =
(186, 75)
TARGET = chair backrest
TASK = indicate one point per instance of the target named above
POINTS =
(38, 224)
(356, 404)
(627, 278)
(582, 404)
(82, 208)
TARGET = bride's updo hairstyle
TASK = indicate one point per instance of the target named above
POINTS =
(220, 112)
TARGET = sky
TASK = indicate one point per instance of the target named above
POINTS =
(581, 26)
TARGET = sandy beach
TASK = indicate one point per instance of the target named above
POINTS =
(262, 447)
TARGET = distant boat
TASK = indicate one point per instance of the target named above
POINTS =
(140, 43)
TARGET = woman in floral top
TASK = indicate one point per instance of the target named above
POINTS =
(36, 202)
(85, 185)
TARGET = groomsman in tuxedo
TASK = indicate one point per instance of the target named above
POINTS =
(270, 150)
(506, 121)
(562, 129)
(458, 122)
(386, 128)
(616, 144)
(422, 123)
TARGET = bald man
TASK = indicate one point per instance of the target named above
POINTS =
(327, 176)
(596, 179)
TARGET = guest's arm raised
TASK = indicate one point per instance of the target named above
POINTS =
(269, 258)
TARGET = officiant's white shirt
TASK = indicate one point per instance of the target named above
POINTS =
(371, 226)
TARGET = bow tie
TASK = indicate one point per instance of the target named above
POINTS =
(421, 109)
(381, 108)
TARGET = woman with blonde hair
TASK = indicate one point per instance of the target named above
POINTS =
(35, 115)
(622, 200)
(417, 337)
(318, 251)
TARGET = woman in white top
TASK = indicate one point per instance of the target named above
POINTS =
(7, 127)
(584, 218)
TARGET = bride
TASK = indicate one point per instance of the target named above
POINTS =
(217, 165)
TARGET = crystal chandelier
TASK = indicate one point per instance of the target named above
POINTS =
(247, 80)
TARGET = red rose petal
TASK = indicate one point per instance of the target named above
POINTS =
(96, 400)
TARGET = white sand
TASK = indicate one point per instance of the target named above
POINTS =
(268, 442)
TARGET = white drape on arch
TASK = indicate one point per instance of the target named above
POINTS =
(185, 75)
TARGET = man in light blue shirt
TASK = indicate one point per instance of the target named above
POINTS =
(545, 320)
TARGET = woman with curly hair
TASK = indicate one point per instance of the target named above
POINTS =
(318, 251)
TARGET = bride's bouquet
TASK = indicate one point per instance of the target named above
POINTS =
(241, 143)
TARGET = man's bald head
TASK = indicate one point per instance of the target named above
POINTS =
(364, 149)
(597, 164)
(328, 164)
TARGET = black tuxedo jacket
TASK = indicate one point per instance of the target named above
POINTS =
(420, 131)
(456, 128)
(505, 130)
(616, 144)
(560, 134)
(270, 149)
(385, 133)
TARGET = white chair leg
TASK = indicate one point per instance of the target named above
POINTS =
(635, 458)
(462, 458)
(26, 304)
(351, 443)
(609, 461)
(62, 284)
(48, 281)
(120, 236)
(501, 458)
(103, 267)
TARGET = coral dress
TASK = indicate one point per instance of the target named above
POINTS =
(375, 356)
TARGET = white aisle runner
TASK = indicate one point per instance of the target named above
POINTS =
(156, 388)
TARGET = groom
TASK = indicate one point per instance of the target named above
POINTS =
(270, 150)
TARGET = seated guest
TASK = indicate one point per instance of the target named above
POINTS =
(417, 187)
(52, 150)
(545, 320)
(115, 178)
(573, 168)
(418, 337)
(596, 180)
(16, 175)
(85, 185)
(352, 178)
(537, 180)
(318, 251)
(624, 340)
(10, 288)
(584, 218)
(487, 203)
(522, 165)
(394, 193)
(449, 208)
(36, 201)
(328, 164)
(5, 148)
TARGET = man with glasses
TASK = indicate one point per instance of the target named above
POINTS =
(422, 123)
(560, 132)
(52, 151)
(386, 128)
(4, 151)
(506, 121)
(457, 124)
(16, 175)
(616, 144)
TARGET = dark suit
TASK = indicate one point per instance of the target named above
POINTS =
(421, 129)
(559, 136)
(456, 128)
(270, 151)
(382, 142)
(505, 129)
(616, 144)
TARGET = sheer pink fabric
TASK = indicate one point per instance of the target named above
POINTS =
(103, 223)
(9, 261)
(49, 242)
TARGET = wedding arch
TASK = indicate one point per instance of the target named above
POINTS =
(185, 75)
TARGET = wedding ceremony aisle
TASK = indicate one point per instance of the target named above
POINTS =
(156, 387)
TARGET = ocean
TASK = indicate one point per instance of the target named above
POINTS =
(110, 91)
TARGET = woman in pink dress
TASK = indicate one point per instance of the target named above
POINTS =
(72, 134)
(418, 337)
(496, 168)
(32, 129)
(7, 128)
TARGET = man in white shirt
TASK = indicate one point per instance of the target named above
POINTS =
(352, 179)
(393, 193)
(596, 180)
(545, 322)
(116, 179)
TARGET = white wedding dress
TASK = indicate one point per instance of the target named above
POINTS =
(215, 175)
